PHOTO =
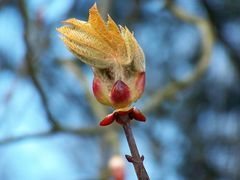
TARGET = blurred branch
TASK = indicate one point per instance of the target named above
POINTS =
(30, 65)
(55, 127)
(170, 90)
(234, 54)
(83, 132)
(109, 134)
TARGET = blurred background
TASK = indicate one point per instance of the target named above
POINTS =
(49, 119)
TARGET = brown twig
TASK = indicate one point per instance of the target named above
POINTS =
(135, 157)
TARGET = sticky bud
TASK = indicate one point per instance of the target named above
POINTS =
(117, 60)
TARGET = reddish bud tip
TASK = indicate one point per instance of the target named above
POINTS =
(120, 94)
(108, 120)
(136, 114)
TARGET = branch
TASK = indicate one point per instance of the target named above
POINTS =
(83, 131)
(170, 90)
(30, 65)
(124, 119)
(135, 158)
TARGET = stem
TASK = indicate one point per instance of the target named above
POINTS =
(135, 159)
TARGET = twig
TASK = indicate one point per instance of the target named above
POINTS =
(207, 43)
(135, 157)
